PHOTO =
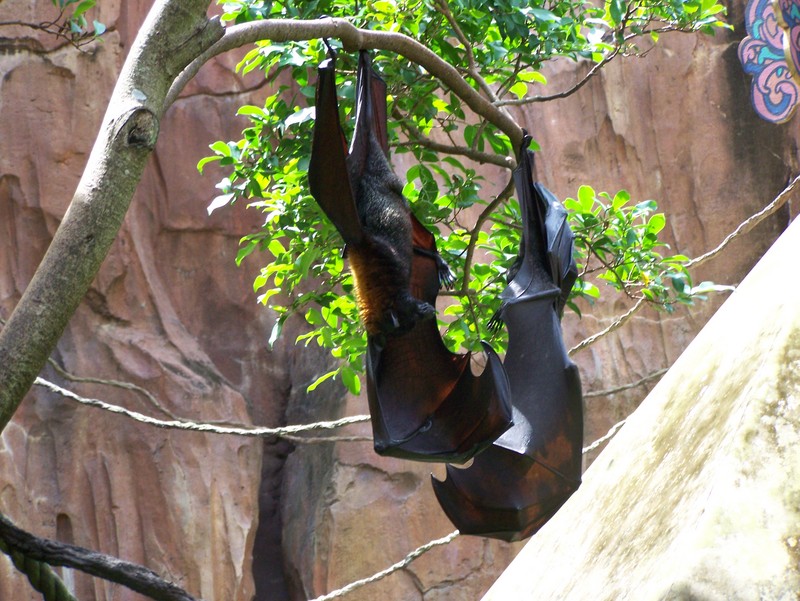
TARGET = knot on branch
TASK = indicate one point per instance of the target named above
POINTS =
(141, 129)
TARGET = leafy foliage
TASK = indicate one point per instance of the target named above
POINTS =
(72, 22)
(499, 47)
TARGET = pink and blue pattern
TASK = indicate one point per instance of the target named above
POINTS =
(771, 57)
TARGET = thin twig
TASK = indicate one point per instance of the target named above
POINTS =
(472, 68)
(391, 569)
(616, 389)
(473, 236)
(748, 224)
(325, 439)
(568, 92)
(470, 153)
(201, 427)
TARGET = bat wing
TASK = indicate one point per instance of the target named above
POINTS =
(560, 243)
(517, 484)
(371, 117)
(328, 176)
(426, 404)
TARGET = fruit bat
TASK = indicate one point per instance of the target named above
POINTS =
(519, 482)
(425, 402)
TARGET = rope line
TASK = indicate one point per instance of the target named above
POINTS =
(391, 569)
(200, 427)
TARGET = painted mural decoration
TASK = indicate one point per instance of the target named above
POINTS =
(770, 53)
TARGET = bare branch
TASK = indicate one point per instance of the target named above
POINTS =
(325, 439)
(613, 326)
(135, 577)
(472, 68)
(41, 577)
(473, 237)
(113, 383)
(417, 138)
(284, 30)
(568, 92)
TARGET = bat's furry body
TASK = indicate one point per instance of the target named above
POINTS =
(381, 261)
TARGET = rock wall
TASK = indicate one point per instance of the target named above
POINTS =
(231, 518)
(168, 312)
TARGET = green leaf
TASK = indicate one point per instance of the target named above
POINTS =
(533, 77)
(656, 223)
(617, 9)
(326, 376)
(519, 89)
(219, 201)
(351, 380)
(276, 248)
(544, 15)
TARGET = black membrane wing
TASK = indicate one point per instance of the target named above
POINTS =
(517, 484)
(370, 114)
(560, 243)
(327, 169)
(426, 403)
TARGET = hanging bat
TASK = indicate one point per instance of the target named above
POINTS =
(362, 196)
(425, 402)
(519, 482)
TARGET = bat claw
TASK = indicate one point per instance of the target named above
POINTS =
(496, 322)
(446, 276)
(405, 315)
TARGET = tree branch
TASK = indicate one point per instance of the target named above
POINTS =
(568, 92)
(609, 391)
(41, 577)
(113, 383)
(135, 577)
(416, 138)
(472, 69)
(284, 30)
(473, 236)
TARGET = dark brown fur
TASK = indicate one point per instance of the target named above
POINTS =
(381, 263)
